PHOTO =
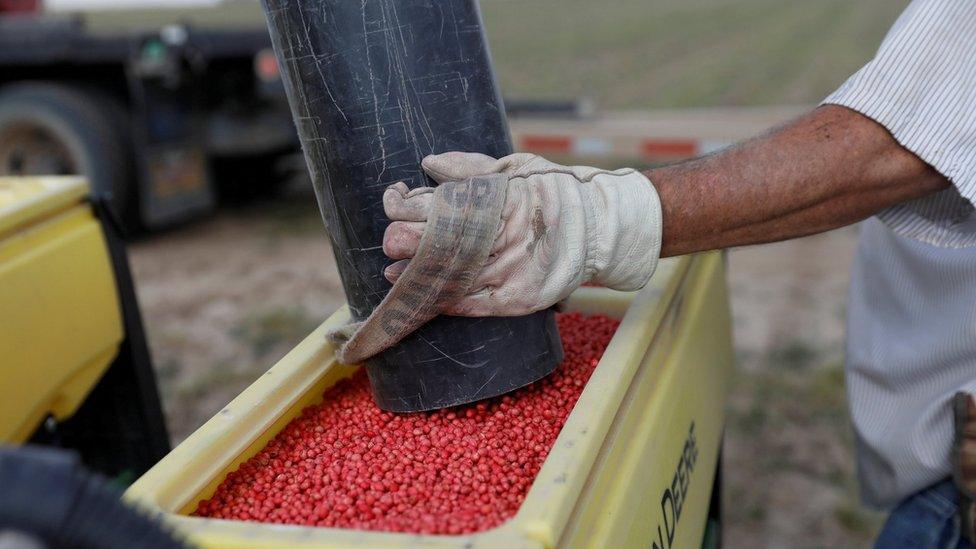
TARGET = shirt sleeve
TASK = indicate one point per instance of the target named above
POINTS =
(921, 86)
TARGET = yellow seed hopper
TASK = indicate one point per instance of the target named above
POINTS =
(634, 465)
(73, 359)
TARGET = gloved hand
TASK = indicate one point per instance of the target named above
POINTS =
(560, 226)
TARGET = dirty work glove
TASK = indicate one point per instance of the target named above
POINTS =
(559, 226)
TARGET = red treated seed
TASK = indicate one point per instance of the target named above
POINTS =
(344, 463)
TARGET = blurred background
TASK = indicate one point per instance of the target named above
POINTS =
(179, 113)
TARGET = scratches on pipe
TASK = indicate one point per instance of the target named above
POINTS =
(318, 63)
(444, 355)
(372, 87)
(487, 381)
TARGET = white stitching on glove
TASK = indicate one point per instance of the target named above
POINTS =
(561, 226)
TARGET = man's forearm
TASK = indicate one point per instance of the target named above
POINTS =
(830, 168)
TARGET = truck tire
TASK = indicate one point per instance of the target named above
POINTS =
(58, 129)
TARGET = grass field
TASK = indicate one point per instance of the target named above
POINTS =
(645, 53)
(683, 53)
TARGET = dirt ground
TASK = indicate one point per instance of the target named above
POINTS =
(224, 298)
(788, 445)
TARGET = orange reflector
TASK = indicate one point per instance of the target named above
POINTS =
(266, 66)
(546, 144)
(678, 148)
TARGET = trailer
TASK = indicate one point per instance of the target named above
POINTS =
(160, 113)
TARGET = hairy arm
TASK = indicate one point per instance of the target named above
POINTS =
(829, 168)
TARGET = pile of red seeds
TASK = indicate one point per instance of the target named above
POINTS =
(345, 463)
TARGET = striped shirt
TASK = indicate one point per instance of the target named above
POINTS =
(911, 333)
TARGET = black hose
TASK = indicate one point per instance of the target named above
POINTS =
(375, 86)
(48, 495)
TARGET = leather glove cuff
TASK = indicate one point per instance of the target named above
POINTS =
(623, 229)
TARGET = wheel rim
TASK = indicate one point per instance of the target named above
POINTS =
(27, 148)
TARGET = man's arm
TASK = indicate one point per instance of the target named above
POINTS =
(829, 168)
(564, 225)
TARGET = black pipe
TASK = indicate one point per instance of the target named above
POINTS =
(374, 86)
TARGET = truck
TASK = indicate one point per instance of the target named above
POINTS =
(165, 112)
